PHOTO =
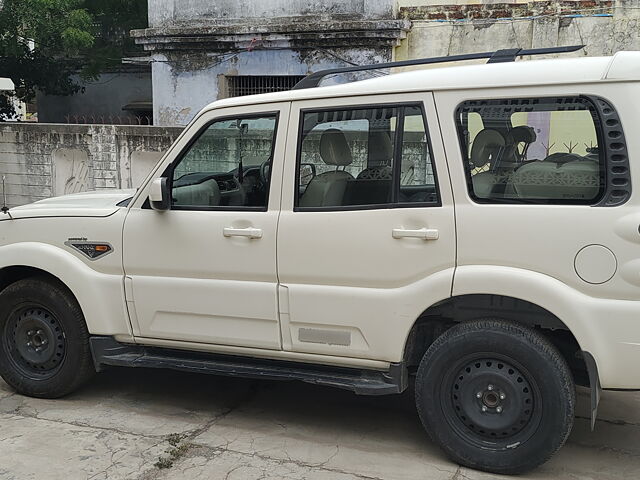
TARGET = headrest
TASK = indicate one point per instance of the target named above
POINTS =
(334, 148)
(562, 157)
(523, 134)
(380, 149)
(486, 146)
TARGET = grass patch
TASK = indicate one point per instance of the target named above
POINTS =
(176, 451)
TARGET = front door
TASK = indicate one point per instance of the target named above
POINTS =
(205, 271)
(366, 240)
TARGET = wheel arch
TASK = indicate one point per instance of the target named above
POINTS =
(438, 318)
(94, 291)
(14, 273)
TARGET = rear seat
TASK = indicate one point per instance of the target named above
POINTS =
(558, 179)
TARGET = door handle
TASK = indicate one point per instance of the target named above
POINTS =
(423, 233)
(242, 232)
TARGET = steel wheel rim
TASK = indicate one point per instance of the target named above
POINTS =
(491, 401)
(35, 341)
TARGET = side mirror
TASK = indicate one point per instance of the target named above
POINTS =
(159, 195)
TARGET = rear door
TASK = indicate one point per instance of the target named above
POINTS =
(366, 237)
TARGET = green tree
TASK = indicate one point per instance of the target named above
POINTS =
(114, 20)
(44, 42)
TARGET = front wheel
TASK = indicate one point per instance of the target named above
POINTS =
(496, 396)
(44, 342)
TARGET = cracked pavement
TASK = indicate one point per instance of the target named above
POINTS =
(125, 421)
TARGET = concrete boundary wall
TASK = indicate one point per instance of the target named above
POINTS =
(44, 160)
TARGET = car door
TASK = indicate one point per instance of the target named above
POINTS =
(366, 237)
(205, 270)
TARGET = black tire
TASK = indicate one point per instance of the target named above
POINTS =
(44, 342)
(495, 396)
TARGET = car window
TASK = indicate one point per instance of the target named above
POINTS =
(350, 158)
(532, 150)
(417, 175)
(228, 165)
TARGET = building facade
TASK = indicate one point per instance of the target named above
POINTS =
(203, 50)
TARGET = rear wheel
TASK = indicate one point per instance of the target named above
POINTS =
(44, 343)
(495, 396)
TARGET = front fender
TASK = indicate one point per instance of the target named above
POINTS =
(100, 295)
(608, 329)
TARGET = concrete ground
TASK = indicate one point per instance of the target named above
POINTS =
(145, 424)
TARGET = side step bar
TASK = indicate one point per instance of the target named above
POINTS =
(107, 352)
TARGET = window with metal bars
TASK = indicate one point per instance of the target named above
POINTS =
(254, 84)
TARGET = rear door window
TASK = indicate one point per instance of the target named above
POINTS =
(365, 157)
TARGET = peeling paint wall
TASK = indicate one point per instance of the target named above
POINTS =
(166, 11)
(605, 27)
(196, 44)
(180, 93)
(45, 160)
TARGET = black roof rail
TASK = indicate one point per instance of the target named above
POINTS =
(498, 56)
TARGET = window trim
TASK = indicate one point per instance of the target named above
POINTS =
(168, 172)
(604, 155)
(397, 159)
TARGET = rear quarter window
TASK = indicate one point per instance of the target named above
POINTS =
(537, 150)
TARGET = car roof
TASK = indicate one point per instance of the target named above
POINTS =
(623, 66)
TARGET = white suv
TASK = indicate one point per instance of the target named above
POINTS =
(473, 227)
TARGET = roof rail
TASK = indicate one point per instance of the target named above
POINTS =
(498, 56)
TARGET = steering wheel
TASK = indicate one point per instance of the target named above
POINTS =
(265, 170)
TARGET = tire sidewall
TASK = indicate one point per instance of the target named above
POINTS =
(540, 362)
(47, 295)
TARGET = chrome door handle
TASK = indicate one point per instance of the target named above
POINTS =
(423, 233)
(242, 232)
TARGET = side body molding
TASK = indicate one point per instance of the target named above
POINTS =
(100, 295)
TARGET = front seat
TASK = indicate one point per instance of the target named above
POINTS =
(380, 158)
(328, 188)
(488, 147)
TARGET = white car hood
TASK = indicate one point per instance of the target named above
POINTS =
(89, 204)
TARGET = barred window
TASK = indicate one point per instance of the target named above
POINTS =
(242, 85)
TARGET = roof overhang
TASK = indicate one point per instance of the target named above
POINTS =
(273, 33)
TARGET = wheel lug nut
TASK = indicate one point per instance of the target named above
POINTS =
(502, 396)
(490, 387)
(479, 395)
(484, 408)
(30, 333)
(28, 344)
(499, 409)
(39, 332)
(44, 341)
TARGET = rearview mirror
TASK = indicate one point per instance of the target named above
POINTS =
(159, 195)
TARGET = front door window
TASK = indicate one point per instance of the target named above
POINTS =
(227, 167)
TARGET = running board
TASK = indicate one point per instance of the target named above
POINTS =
(107, 352)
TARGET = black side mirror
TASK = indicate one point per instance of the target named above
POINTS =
(159, 195)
